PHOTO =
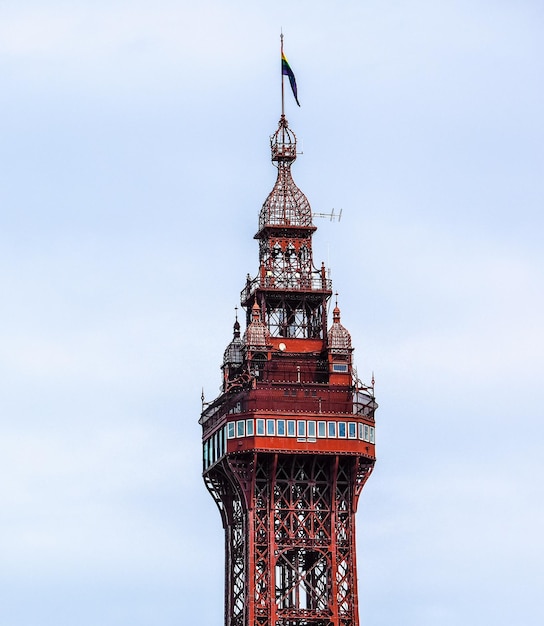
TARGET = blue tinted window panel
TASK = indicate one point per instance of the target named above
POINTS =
(281, 428)
(260, 427)
(290, 428)
(322, 429)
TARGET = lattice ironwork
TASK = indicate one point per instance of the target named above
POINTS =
(261, 539)
(289, 530)
(226, 484)
(286, 205)
(287, 263)
(291, 292)
(236, 558)
(344, 531)
(296, 317)
(288, 497)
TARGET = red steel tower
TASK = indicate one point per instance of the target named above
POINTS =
(289, 442)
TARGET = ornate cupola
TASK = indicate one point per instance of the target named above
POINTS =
(339, 351)
(232, 357)
(256, 338)
(338, 337)
(286, 205)
(256, 343)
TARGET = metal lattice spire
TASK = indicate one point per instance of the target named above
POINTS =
(286, 205)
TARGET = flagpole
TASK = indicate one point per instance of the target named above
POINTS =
(281, 65)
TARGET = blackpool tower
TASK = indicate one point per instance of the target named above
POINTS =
(289, 442)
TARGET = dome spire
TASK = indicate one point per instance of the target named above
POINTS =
(257, 336)
(283, 143)
(286, 204)
(338, 337)
(232, 357)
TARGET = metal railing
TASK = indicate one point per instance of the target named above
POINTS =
(287, 283)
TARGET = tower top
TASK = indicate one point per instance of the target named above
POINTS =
(286, 205)
(289, 442)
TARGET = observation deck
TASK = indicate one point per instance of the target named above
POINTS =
(311, 283)
(282, 417)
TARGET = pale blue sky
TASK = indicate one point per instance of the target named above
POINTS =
(134, 161)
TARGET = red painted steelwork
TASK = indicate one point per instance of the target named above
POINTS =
(289, 443)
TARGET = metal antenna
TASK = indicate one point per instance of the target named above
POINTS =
(332, 216)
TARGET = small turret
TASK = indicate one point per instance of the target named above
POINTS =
(339, 351)
(338, 337)
(256, 342)
(256, 337)
(232, 357)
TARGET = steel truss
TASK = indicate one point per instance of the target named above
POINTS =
(290, 538)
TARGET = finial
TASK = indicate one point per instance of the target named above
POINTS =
(236, 323)
(336, 311)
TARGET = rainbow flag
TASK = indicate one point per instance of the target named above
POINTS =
(287, 71)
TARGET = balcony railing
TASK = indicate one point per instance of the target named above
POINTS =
(287, 283)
